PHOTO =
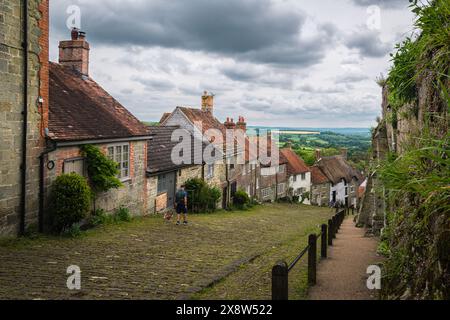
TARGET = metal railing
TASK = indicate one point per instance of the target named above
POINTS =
(280, 272)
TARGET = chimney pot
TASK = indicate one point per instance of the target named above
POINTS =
(74, 34)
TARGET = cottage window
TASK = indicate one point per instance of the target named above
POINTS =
(280, 169)
(74, 166)
(281, 188)
(121, 155)
(266, 193)
(295, 178)
(303, 176)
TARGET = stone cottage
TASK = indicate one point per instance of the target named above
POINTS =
(320, 187)
(81, 112)
(345, 180)
(166, 174)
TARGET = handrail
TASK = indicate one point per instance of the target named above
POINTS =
(292, 265)
(280, 271)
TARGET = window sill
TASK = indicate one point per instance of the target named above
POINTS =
(126, 180)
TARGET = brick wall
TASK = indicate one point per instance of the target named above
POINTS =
(11, 107)
(134, 194)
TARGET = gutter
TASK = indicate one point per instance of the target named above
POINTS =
(23, 166)
(42, 184)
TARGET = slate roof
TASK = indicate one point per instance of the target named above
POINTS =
(295, 164)
(337, 168)
(80, 109)
(159, 157)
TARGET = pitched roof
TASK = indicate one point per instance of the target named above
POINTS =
(159, 151)
(164, 117)
(337, 168)
(79, 109)
(295, 164)
(317, 176)
(198, 115)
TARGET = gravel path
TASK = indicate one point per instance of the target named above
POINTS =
(343, 275)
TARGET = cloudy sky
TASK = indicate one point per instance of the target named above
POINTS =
(285, 63)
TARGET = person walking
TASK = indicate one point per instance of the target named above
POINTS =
(181, 205)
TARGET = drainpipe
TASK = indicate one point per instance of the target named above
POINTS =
(42, 184)
(23, 166)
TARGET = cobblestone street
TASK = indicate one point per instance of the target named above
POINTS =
(152, 259)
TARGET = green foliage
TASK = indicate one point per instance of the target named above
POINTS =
(70, 199)
(99, 217)
(201, 197)
(73, 232)
(102, 170)
(426, 52)
(419, 197)
(123, 214)
(241, 199)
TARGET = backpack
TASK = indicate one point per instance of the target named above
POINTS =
(179, 196)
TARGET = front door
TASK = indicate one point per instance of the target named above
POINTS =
(166, 183)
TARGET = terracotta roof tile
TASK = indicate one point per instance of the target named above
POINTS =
(295, 164)
(79, 109)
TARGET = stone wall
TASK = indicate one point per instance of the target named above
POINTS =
(320, 194)
(11, 107)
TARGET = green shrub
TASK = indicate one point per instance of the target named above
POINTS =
(70, 199)
(99, 217)
(123, 214)
(201, 197)
(241, 199)
(73, 232)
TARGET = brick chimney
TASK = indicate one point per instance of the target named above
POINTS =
(229, 124)
(208, 102)
(242, 125)
(75, 52)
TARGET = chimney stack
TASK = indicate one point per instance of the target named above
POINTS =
(229, 124)
(75, 52)
(242, 125)
(208, 102)
(318, 155)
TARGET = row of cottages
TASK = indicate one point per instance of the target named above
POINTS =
(238, 169)
(335, 182)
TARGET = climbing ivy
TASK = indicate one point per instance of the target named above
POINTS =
(102, 171)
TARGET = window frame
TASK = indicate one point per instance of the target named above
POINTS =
(113, 157)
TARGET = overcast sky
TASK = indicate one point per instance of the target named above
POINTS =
(285, 63)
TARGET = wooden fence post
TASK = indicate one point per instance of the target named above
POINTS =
(330, 232)
(312, 259)
(334, 226)
(324, 241)
(280, 281)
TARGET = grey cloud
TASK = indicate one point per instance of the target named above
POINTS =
(257, 75)
(151, 84)
(383, 3)
(254, 30)
(351, 77)
(368, 43)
